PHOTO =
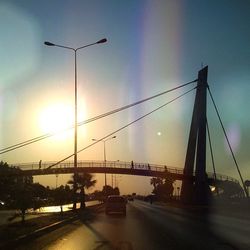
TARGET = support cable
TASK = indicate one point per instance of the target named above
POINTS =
(211, 151)
(229, 145)
(139, 102)
(25, 143)
(45, 136)
(212, 155)
(125, 126)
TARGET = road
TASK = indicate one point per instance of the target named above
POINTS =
(148, 227)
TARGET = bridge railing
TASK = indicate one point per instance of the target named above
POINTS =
(109, 164)
(114, 164)
(222, 177)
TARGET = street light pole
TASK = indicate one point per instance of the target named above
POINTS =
(75, 125)
(104, 154)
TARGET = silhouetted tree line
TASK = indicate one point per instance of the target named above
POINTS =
(18, 192)
(162, 188)
(108, 190)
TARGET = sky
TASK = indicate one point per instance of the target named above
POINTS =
(152, 46)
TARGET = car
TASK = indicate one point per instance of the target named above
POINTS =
(115, 204)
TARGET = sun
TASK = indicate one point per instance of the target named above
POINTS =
(58, 117)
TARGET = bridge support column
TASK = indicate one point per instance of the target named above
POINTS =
(195, 188)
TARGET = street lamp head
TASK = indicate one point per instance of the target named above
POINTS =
(49, 43)
(104, 40)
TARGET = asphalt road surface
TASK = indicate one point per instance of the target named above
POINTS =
(148, 227)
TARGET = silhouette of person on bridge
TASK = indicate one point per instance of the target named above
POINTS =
(132, 165)
(40, 164)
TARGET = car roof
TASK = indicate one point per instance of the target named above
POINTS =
(115, 197)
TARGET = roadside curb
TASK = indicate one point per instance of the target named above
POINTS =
(38, 232)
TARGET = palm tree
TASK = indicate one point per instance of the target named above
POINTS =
(84, 180)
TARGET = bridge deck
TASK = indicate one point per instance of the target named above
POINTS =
(110, 167)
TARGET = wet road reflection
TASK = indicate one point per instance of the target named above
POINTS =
(67, 207)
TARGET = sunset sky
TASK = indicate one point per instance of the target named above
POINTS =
(152, 46)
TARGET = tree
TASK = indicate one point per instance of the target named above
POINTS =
(156, 181)
(40, 191)
(108, 190)
(6, 182)
(116, 191)
(163, 188)
(10, 177)
(84, 180)
(97, 195)
(19, 192)
(24, 198)
(61, 195)
(163, 191)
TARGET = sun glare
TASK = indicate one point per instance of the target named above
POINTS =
(58, 117)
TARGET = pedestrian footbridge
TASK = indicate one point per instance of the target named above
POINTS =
(109, 167)
(223, 182)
